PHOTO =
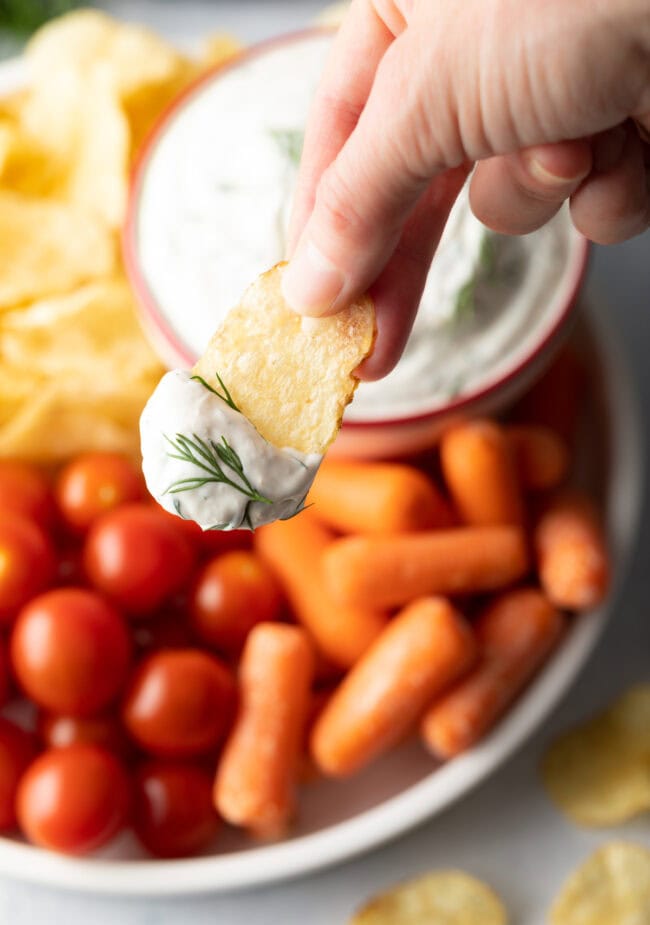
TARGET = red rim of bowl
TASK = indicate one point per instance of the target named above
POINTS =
(152, 317)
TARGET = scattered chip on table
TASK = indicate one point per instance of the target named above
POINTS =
(612, 887)
(447, 897)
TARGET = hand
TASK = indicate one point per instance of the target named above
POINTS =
(542, 96)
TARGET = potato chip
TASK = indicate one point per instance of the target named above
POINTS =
(219, 48)
(612, 887)
(75, 373)
(48, 247)
(599, 773)
(291, 380)
(139, 70)
(333, 15)
(448, 897)
(86, 139)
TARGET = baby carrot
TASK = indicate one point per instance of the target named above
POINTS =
(385, 571)
(479, 469)
(256, 777)
(359, 497)
(571, 553)
(515, 634)
(541, 456)
(293, 549)
(422, 650)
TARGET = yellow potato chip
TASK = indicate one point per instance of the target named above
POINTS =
(85, 135)
(140, 70)
(448, 897)
(599, 773)
(48, 247)
(291, 380)
(219, 48)
(612, 887)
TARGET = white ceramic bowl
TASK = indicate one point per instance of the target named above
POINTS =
(176, 322)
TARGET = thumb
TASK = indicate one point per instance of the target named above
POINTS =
(363, 199)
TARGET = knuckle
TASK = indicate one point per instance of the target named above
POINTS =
(335, 205)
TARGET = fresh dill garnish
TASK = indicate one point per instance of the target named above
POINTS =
(485, 270)
(211, 458)
(227, 397)
(289, 141)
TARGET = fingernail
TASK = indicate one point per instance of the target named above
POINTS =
(608, 148)
(311, 282)
(539, 172)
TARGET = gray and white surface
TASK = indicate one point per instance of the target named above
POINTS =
(506, 831)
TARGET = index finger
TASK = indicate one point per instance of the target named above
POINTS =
(344, 88)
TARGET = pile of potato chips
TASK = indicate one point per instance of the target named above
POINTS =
(75, 369)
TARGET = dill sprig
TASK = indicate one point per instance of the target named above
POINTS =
(465, 305)
(290, 142)
(227, 397)
(211, 458)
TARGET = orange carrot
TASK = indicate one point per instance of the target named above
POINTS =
(556, 398)
(541, 456)
(294, 550)
(479, 468)
(362, 497)
(515, 634)
(422, 650)
(256, 777)
(571, 553)
(385, 571)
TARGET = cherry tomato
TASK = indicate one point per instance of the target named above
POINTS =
(173, 812)
(25, 491)
(27, 563)
(17, 750)
(137, 558)
(73, 799)
(218, 541)
(95, 483)
(5, 673)
(179, 703)
(105, 730)
(230, 595)
(70, 650)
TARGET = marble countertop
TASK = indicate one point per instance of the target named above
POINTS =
(505, 831)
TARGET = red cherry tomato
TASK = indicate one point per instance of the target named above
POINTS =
(179, 703)
(17, 750)
(231, 594)
(173, 812)
(25, 491)
(105, 730)
(5, 673)
(73, 799)
(208, 542)
(70, 650)
(27, 563)
(95, 483)
(137, 558)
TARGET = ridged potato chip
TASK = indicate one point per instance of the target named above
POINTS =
(612, 887)
(75, 373)
(447, 897)
(291, 380)
(48, 247)
(599, 773)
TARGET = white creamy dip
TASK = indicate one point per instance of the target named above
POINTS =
(213, 210)
(225, 466)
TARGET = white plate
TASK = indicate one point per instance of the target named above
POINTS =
(339, 820)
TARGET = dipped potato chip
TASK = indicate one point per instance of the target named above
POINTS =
(612, 887)
(290, 380)
(599, 773)
(448, 897)
(48, 247)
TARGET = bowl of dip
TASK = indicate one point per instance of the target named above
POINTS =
(208, 213)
